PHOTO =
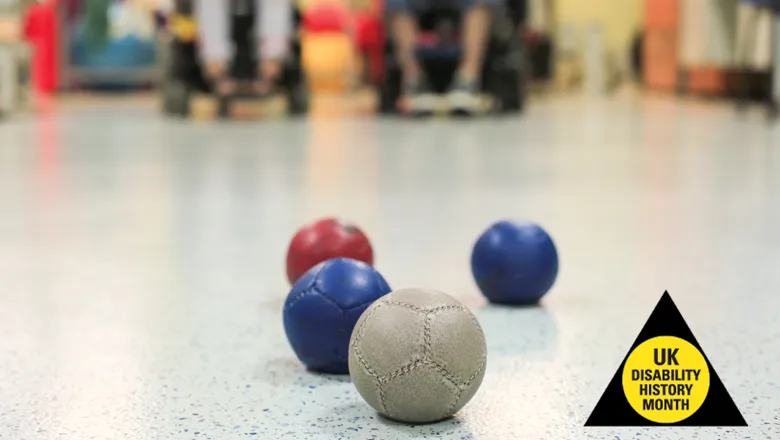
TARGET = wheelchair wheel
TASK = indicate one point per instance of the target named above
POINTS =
(508, 82)
(298, 100)
(389, 92)
(176, 99)
(511, 92)
(295, 86)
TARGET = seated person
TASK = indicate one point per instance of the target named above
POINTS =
(464, 92)
(11, 13)
(273, 30)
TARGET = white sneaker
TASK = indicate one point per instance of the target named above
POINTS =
(464, 98)
(420, 100)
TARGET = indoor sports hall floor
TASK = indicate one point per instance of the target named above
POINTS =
(142, 263)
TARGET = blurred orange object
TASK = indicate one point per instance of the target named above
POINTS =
(328, 46)
(661, 44)
(707, 81)
(41, 30)
(661, 14)
(660, 59)
(329, 61)
(10, 30)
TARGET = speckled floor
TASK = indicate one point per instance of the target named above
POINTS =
(142, 277)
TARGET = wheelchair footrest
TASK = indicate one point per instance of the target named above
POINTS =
(438, 52)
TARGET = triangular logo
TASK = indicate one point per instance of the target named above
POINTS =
(666, 380)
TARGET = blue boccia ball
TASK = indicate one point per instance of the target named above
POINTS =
(514, 263)
(323, 307)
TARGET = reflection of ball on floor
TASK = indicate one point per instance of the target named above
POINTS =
(514, 263)
(417, 355)
(323, 240)
(323, 307)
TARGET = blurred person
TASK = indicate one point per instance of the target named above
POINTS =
(463, 95)
(11, 13)
(273, 29)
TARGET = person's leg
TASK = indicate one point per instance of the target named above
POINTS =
(477, 18)
(213, 18)
(274, 30)
(402, 20)
(8, 80)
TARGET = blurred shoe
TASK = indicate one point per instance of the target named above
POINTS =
(463, 97)
(225, 87)
(420, 101)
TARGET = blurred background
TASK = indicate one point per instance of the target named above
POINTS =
(697, 48)
(142, 244)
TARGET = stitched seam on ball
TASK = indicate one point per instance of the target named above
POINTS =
(476, 373)
(313, 287)
(426, 337)
(479, 328)
(458, 394)
(376, 379)
(455, 399)
(303, 293)
(382, 403)
(370, 301)
(463, 386)
(483, 362)
(359, 334)
(468, 383)
(359, 305)
(328, 298)
(365, 365)
(401, 371)
(406, 306)
(443, 371)
(443, 309)
(459, 388)
(429, 345)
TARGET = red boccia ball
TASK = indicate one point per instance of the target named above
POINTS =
(324, 240)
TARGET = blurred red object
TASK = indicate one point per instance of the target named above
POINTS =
(327, 17)
(324, 240)
(369, 30)
(365, 28)
(370, 40)
(40, 30)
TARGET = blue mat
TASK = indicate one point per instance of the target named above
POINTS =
(128, 52)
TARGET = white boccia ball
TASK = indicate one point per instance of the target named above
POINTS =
(417, 355)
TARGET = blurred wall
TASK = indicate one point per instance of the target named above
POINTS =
(619, 19)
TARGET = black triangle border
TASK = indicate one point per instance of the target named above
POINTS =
(600, 414)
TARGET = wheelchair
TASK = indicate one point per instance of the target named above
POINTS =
(184, 73)
(504, 74)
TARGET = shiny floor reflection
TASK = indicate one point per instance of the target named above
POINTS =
(142, 263)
